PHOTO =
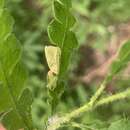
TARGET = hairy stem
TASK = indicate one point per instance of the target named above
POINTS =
(91, 103)
(85, 108)
(98, 93)
(119, 96)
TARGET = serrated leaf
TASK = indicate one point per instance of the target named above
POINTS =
(6, 25)
(12, 120)
(120, 125)
(122, 60)
(53, 58)
(62, 14)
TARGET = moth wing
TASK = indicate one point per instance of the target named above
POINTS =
(53, 58)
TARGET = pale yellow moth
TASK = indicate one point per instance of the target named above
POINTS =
(53, 54)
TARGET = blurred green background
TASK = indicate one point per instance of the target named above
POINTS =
(102, 25)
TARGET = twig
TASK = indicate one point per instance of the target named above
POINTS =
(85, 108)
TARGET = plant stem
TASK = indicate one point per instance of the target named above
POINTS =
(87, 107)
(90, 105)
(119, 96)
(98, 93)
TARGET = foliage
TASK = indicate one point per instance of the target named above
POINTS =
(65, 40)
(16, 108)
(56, 30)
(92, 28)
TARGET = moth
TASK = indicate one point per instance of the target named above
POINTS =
(53, 55)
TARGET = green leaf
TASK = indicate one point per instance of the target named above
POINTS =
(11, 87)
(13, 76)
(1, 4)
(55, 94)
(123, 124)
(56, 33)
(12, 120)
(24, 105)
(9, 57)
(70, 43)
(62, 14)
(10, 53)
(18, 79)
(61, 36)
(6, 25)
(124, 51)
(66, 3)
(122, 60)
